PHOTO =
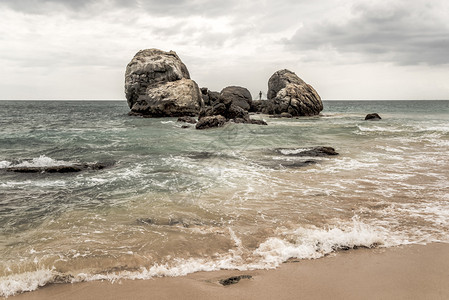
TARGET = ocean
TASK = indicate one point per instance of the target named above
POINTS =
(173, 200)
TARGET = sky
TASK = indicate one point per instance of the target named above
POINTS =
(347, 50)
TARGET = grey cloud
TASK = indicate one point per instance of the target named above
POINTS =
(152, 7)
(405, 34)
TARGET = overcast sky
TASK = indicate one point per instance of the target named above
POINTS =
(351, 49)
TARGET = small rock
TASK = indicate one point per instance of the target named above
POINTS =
(234, 279)
(373, 117)
(258, 122)
(210, 122)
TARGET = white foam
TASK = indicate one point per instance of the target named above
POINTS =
(37, 162)
(293, 151)
(301, 243)
(24, 282)
(4, 164)
(378, 129)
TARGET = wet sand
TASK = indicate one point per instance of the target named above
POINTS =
(407, 272)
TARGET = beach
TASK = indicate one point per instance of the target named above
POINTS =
(406, 272)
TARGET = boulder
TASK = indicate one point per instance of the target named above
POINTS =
(287, 93)
(158, 84)
(169, 99)
(210, 122)
(237, 95)
(373, 117)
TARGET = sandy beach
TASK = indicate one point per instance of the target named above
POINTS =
(407, 272)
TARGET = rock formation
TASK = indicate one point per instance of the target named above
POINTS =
(158, 84)
(287, 93)
(231, 104)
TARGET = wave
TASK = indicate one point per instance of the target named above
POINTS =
(38, 162)
(300, 243)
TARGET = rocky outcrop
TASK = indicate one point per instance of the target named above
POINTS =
(158, 84)
(373, 117)
(237, 95)
(287, 93)
(224, 108)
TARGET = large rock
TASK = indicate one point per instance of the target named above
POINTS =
(169, 99)
(158, 84)
(287, 93)
(237, 95)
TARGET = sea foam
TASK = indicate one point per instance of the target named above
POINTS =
(37, 162)
(299, 243)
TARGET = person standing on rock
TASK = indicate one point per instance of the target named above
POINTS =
(260, 95)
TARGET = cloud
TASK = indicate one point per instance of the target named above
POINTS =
(404, 33)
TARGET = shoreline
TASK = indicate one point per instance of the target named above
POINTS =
(404, 272)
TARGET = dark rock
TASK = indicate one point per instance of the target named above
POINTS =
(373, 117)
(169, 222)
(234, 279)
(287, 93)
(62, 278)
(315, 152)
(60, 169)
(187, 119)
(185, 126)
(210, 122)
(202, 155)
(236, 95)
(257, 106)
(204, 90)
(213, 97)
(276, 164)
(258, 122)
(227, 109)
(158, 84)
(297, 164)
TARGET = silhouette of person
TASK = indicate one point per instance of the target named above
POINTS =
(260, 95)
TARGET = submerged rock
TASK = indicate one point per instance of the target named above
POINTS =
(60, 169)
(314, 152)
(158, 84)
(373, 117)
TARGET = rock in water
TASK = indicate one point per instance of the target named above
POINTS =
(373, 117)
(210, 122)
(287, 93)
(237, 95)
(158, 84)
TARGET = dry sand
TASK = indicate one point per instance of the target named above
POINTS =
(408, 272)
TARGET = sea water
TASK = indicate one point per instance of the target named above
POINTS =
(178, 200)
